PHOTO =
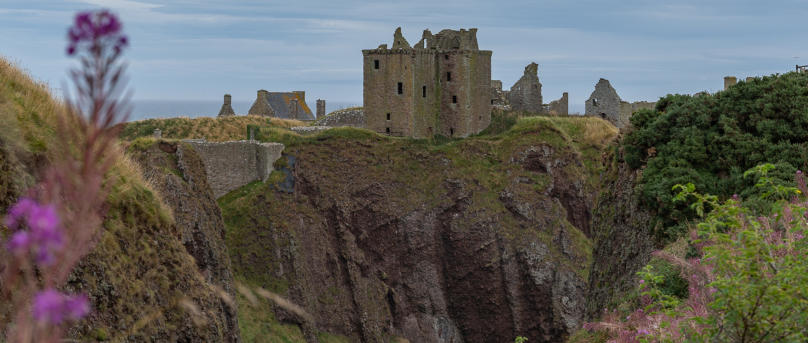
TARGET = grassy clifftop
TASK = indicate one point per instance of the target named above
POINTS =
(140, 271)
(359, 222)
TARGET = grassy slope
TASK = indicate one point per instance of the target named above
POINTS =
(482, 159)
(139, 269)
(212, 129)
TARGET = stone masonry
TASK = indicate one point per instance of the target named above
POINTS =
(230, 165)
(353, 117)
(729, 81)
(227, 109)
(560, 106)
(261, 105)
(439, 86)
(605, 103)
(320, 108)
(525, 94)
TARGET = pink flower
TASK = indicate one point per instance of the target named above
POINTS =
(19, 242)
(94, 29)
(52, 307)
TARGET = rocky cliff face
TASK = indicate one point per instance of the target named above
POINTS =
(480, 241)
(177, 172)
(621, 234)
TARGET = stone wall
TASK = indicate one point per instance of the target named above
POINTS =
(605, 103)
(230, 165)
(560, 106)
(320, 108)
(309, 130)
(353, 117)
(525, 94)
(441, 86)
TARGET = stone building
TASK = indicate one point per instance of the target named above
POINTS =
(285, 105)
(525, 94)
(227, 109)
(605, 102)
(441, 85)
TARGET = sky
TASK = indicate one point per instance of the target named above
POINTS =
(197, 50)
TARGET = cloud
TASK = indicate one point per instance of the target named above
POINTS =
(122, 5)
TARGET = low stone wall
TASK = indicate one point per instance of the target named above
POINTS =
(309, 130)
(354, 117)
(230, 165)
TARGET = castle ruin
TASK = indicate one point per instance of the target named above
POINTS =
(227, 109)
(284, 105)
(605, 103)
(525, 95)
(439, 86)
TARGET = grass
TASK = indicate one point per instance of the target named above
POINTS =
(139, 271)
(213, 129)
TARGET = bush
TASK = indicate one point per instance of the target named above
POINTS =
(709, 140)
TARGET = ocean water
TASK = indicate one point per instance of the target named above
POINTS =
(147, 109)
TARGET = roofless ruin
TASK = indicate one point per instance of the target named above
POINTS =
(440, 86)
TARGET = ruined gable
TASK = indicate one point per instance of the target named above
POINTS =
(227, 109)
(525, 94)
(605, 103)
(261, 105)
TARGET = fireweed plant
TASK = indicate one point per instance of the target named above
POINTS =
(748, 281)
(59, 221)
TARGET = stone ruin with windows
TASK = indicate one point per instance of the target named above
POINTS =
(439, 86)
(605, 103)
(525, 95)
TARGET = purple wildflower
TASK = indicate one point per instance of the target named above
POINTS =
(19, 242)
(19, 211)
(93, 27)
(51, 306)
(48, 306)
(643, 332)
(77, 306)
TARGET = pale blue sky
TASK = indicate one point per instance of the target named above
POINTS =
(200, 49)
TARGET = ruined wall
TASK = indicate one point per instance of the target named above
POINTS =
(525, 94)
(353, 117)
(560, 106)
(605, 102)
(230, 165)
(729, 81)
(429, 100)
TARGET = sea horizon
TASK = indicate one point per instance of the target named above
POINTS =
(152, 109)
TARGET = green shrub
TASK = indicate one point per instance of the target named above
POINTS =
(710, 140)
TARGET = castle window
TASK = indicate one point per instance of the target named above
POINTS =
(451, 131)
(595, 102)
(388, 116)
(387, 130)
(423, 90)
(492, 101)
(448, 76)
(375, 64)
(454, 99)
(446, 57)
(400, 88)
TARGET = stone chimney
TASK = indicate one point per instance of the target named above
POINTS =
(320, 108)
(158, 133)
(729, 81)
(227, 109)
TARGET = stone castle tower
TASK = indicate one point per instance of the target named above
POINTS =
(442, 85)
(525, 94)
(227, 109)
